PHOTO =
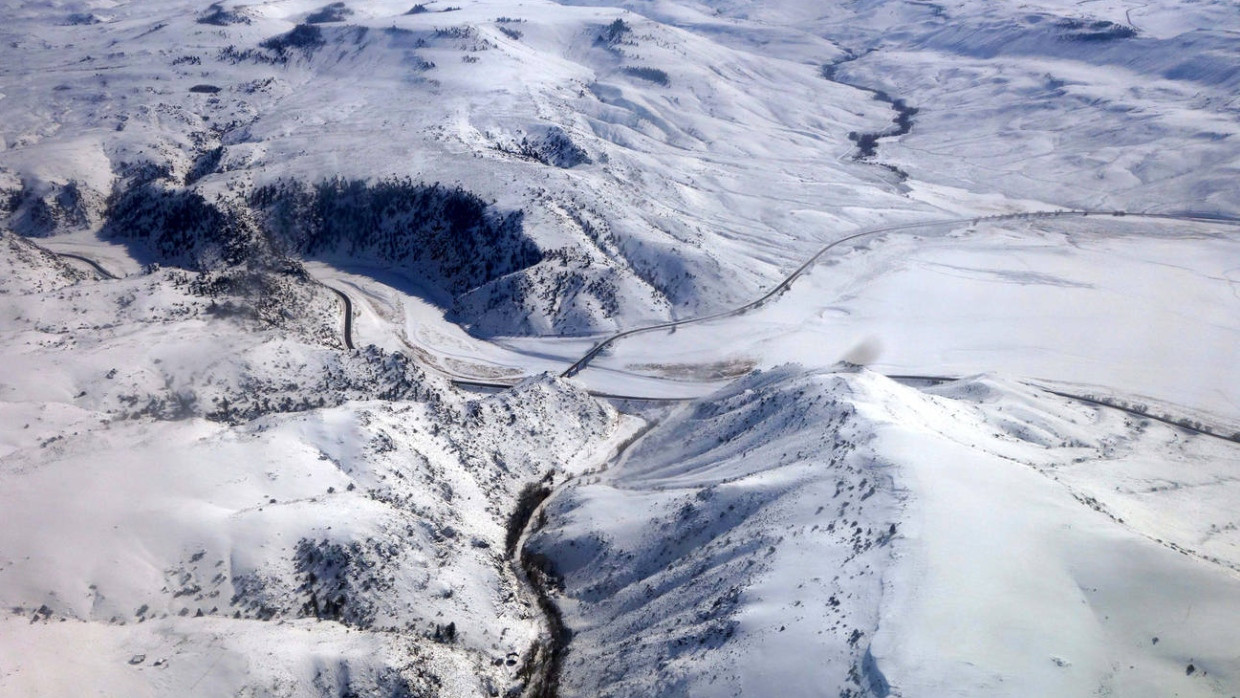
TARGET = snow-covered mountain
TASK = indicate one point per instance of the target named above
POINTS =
(839, 532)
(184, 482)
(255, 256)
(552, 113)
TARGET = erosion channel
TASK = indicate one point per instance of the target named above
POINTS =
(537, 574)
(867, 142)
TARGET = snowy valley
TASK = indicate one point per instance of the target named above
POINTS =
(617, 348)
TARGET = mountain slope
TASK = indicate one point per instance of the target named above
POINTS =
(206, 490)
(184, 484)
(840, 533)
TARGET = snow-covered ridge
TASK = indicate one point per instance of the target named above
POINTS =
(979, 539)
(224, 107)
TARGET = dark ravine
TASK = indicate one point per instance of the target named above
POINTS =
(543, 662)
(545, 681)
(541, 667)
(528, 501)
(867, 142)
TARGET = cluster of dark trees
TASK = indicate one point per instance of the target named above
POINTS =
(613, 33)
(216, 15)
(555, 148)
(450, 234)
(659, 77)
(303, 39)
(333, 12)
(337, 580)
(447, 235)
(1093, 30)
(180, 227)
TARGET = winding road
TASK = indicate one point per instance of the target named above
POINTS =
(537, 574)
(786, 283)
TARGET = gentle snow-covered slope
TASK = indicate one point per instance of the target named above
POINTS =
(838, 531)
(1139, 309)
(1116, 103)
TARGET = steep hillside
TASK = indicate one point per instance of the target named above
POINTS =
(28, 267)
(187, 479)
(837, 533)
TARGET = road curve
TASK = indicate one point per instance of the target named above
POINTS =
(94, 265)
(786, 283)
(1202, 429)
(348, 315)
(344, 298)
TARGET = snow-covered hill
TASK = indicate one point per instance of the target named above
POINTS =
(838, 532)
(205, 490)
(201, 500)
(199, 106)
(1139, 310)
(651, 161)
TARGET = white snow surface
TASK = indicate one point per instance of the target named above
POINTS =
(203, 493)
(1141, 310)
(703, 183)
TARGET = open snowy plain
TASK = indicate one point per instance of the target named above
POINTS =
(287, 288)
